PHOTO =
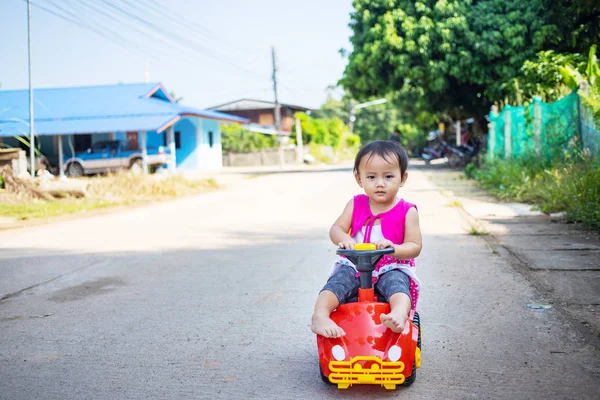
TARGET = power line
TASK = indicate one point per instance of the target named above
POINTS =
(119, 42)
(84, 19)
(175, 37)
(98, 11)
(69, 14)
(112, 18)
(182, 21)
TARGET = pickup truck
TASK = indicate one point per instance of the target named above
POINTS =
(113, 155)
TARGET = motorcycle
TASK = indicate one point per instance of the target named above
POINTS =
(456, 155)
(463, 154)
(437, 148)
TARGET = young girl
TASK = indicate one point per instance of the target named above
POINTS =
(378, 217)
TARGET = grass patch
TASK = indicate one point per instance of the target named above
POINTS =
(570, 185)
(476, 232)
(36, 209)
(254, 176)
(492, 249)
(130, 187)
(104, 192)
(454, 203)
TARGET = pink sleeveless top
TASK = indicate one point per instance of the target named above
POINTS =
(392, 228)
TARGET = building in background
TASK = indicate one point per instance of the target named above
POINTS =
(261, 114)
(78, 117)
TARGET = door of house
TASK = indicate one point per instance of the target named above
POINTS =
(132, 138)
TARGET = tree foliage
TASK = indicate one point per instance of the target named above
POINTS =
(456, 56)
(322, 130)
(379, 121)
(577, 23)
(542, 76)
(590, 95)
(238, 139)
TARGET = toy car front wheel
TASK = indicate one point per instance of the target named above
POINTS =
(411, 379)
(323, 377)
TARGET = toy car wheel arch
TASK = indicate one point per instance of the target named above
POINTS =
(417, 362)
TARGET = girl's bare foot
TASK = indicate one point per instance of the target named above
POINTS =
(394, 320)
(324, 326)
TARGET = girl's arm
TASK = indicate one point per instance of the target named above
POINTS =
(338, 233)
(411, 247)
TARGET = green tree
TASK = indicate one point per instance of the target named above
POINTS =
(401, 44)
(323, 131)
(333, 108)
(238, 139)
(541, 76)
(577, 21)
(378, 121)
(590, 77)
(453, 56)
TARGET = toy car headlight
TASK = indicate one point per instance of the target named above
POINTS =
(338, 352)
(394, 353)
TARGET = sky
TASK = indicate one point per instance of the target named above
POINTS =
(207, 52)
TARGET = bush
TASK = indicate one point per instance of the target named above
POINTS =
(571, 185)
(238, 139)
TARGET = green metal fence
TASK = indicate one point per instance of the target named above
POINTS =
(543, 130)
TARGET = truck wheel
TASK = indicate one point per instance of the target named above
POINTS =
(136, 166)
(74, 170)
(411, 379)
(137, 162)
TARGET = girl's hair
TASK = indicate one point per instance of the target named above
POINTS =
(385, 149)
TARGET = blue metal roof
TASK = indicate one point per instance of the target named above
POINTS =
(96, 109)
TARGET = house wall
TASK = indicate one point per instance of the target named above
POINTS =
(267, 117)
(210, 154)
(287, 123)
(153, 139)
(252, 115)
(187, 153)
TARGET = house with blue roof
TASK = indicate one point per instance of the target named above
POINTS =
(72, 119)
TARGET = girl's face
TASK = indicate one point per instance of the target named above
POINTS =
(380, 178)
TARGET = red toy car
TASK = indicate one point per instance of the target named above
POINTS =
(369, 353)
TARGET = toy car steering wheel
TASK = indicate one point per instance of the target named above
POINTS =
(365, 256)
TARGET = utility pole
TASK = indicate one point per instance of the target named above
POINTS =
(147, 72)
(277, 111)
(352, 117)
(31, 128)
(299, 144)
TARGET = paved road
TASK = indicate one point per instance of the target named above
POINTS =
(210, 297)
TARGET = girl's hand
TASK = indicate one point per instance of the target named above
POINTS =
(347, 244)
(383, 243)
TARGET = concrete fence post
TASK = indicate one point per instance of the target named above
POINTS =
(507, 133)
(537, 125)
(492, 134)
